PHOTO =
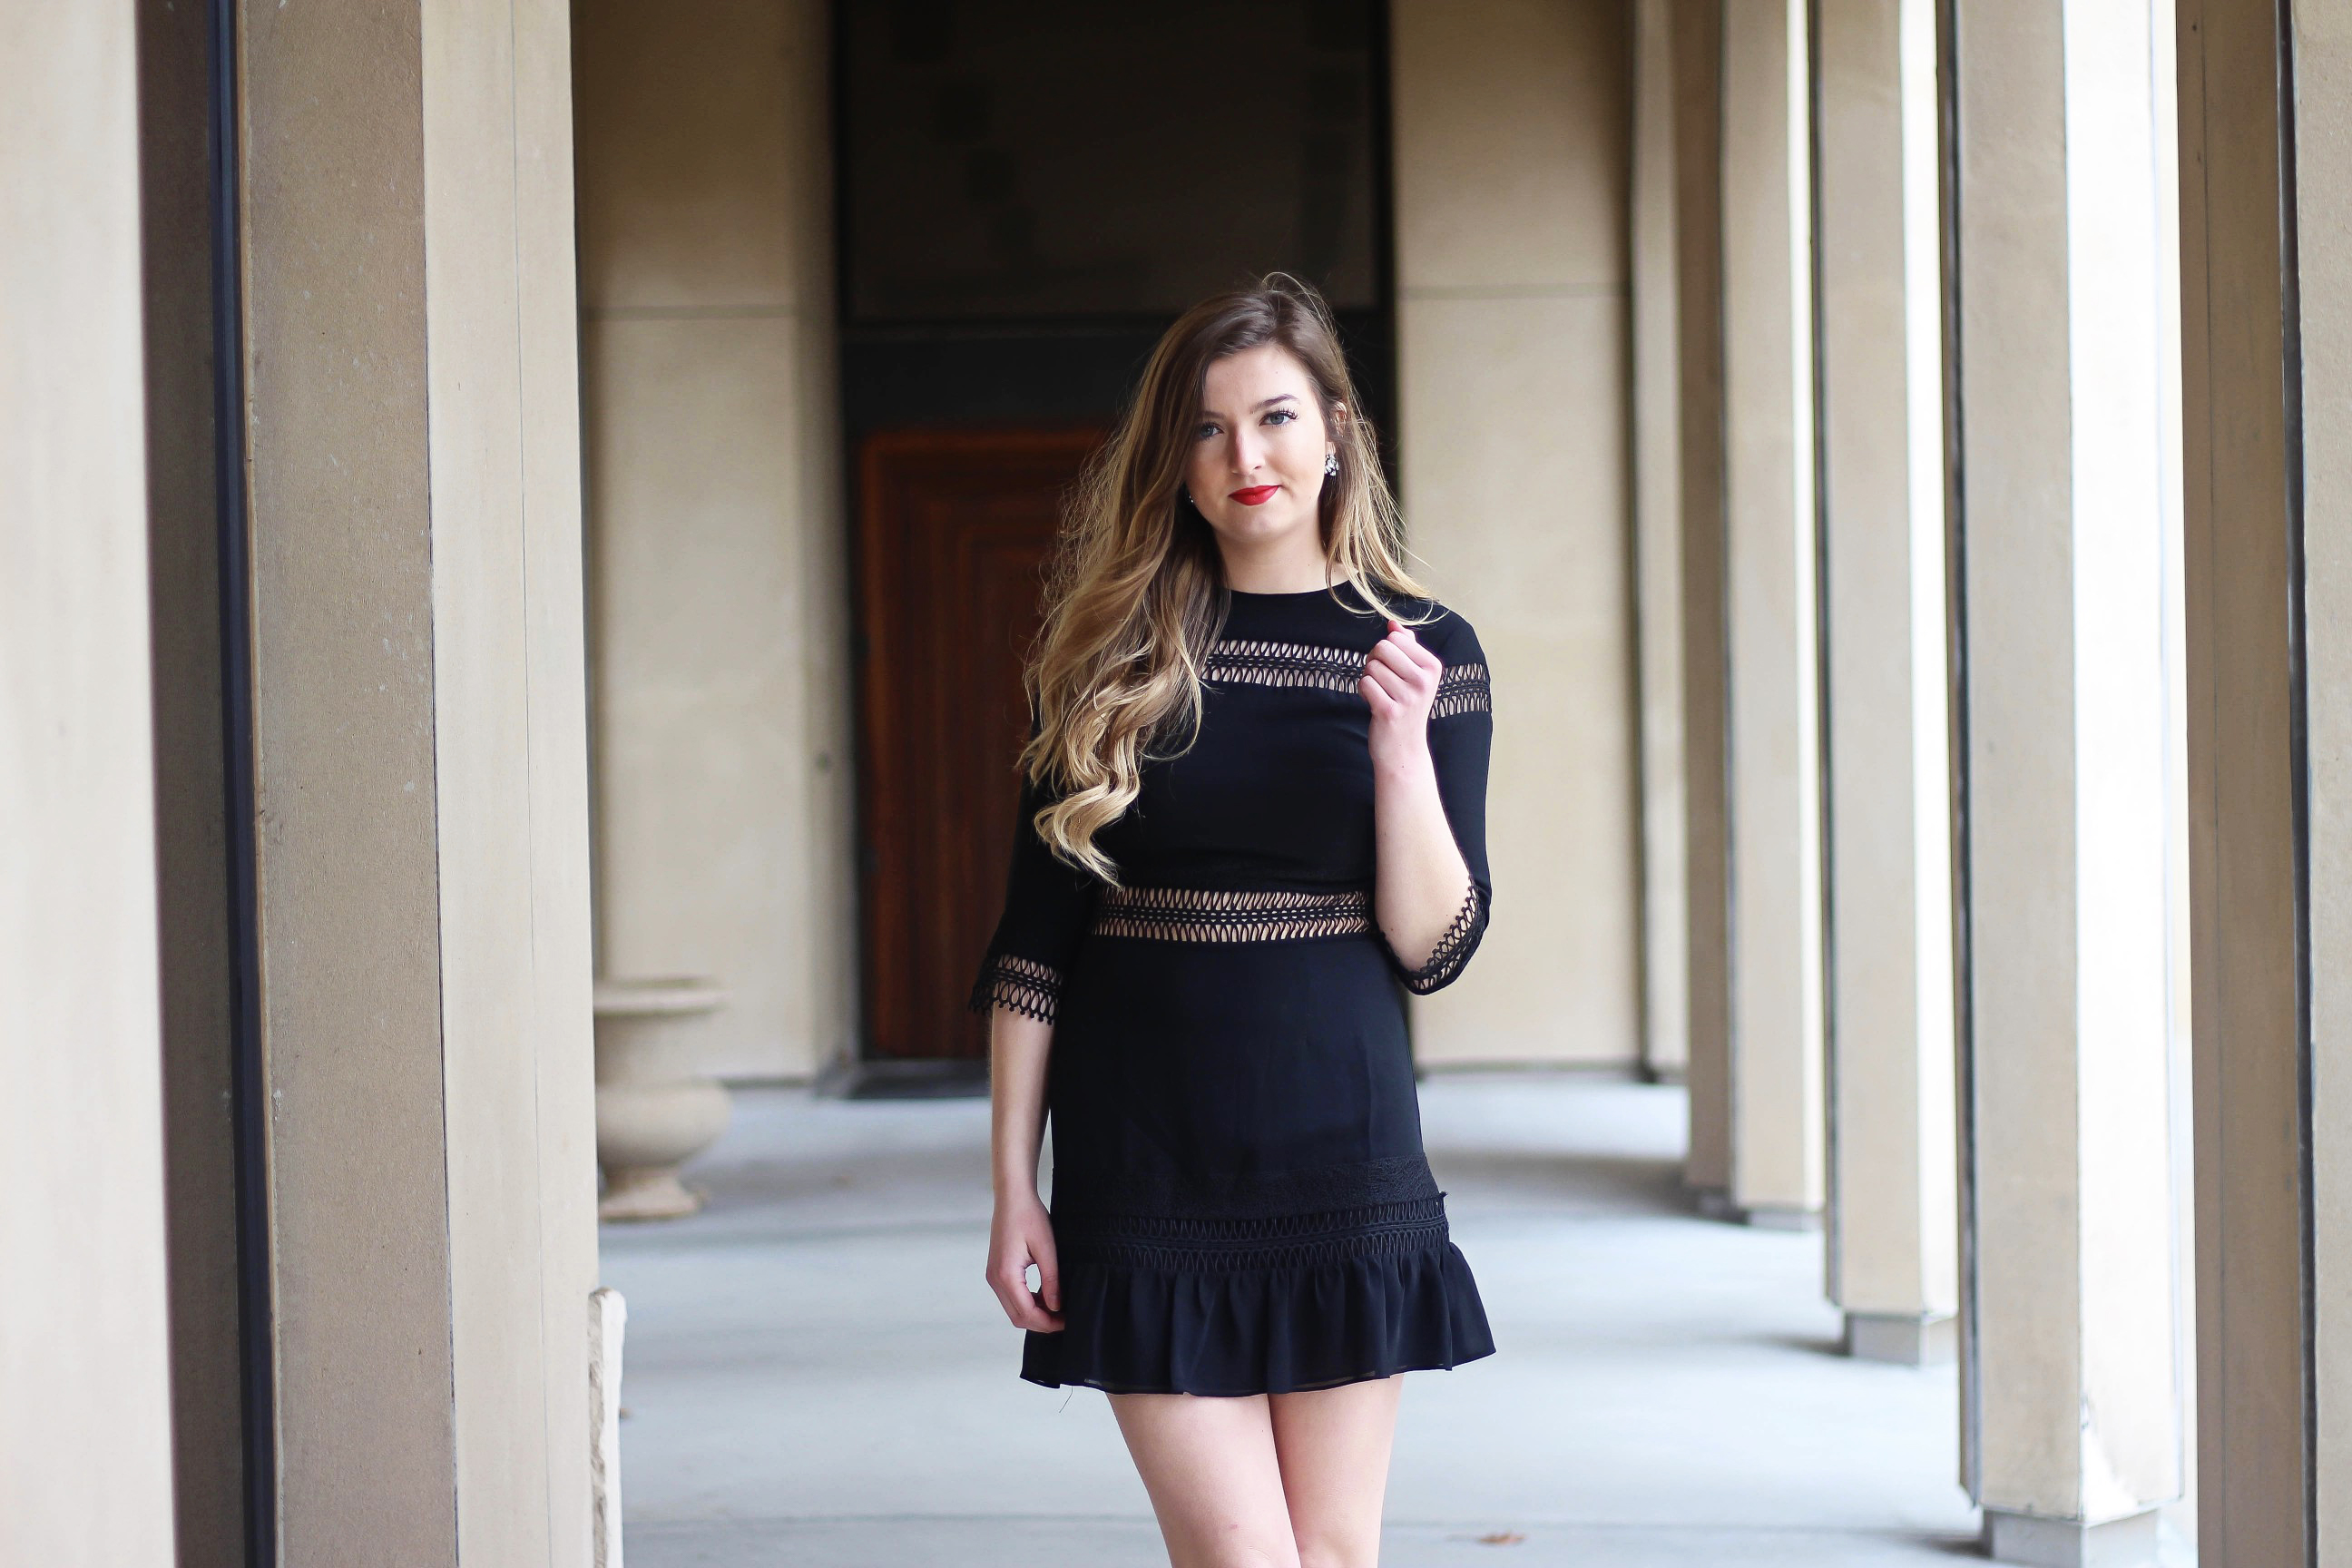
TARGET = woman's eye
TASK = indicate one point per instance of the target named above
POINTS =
(1285, 414)
(1205, 432)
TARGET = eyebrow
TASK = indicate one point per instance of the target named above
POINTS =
(1277, 397)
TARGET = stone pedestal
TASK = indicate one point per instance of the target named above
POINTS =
(1902, 1337)
(2065, 1543)
(656, 1106)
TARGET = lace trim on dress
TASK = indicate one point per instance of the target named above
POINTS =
(1218, 914)
(1260, 663)
(1240, 1195)
(1463, 689)
(1022, 984)
(1453, 948)
(1196, 1245)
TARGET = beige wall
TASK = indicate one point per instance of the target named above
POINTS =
(1511, 127)
(720, 593)
(85, 1439)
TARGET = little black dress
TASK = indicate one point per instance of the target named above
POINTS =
(1240, 1200)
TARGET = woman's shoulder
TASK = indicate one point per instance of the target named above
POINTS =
(1443, 629)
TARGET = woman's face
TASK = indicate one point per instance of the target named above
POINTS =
(1256, 465)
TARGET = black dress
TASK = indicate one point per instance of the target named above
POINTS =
(1240, 1202)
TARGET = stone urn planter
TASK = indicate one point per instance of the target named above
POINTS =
(656, 1107)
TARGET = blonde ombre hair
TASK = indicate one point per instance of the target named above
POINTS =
(1135, 594)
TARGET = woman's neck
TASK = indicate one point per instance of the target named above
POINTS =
(1294, 571)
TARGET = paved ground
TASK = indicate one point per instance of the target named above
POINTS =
(817, 1375)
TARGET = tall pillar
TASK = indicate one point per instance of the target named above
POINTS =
(1694, 43)
(1776, 1090)
(2266, 351)
(726, 810)
(1894, 1255)
(197, 956)
(1509, 141)
(1658, 552)
(2071, 1386)
(420, 768)
(86, 1437)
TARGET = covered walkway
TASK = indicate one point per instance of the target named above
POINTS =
(817, 1375)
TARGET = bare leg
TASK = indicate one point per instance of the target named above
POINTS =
(1333, 1447)
(1210, 1467)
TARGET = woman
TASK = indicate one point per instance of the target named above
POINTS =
(1253, 804)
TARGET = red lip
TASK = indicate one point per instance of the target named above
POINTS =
(1256, 495)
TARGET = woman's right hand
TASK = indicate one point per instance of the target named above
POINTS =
(1020, 1234)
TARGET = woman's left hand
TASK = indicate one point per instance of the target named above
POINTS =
(1400, 682)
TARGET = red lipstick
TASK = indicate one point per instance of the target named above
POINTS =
(1256, 495)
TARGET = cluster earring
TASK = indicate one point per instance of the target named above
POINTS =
(1331, 464)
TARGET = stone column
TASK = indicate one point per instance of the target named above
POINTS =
(1694, 43)
(1894, 1255)
(2071, 1386)
(1657, 554)
(1777, 1112)
(1509, 138)
(2266, 310)
(85, 1439)
(719, 553)
(420, 768)
(198, 951)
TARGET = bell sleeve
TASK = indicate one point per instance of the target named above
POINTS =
(1049, 903)
(1461, 738)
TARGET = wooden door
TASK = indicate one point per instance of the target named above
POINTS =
(954, 527)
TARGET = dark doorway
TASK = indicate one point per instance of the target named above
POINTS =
(1029, 191)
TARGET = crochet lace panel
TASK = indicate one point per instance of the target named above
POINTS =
(1021, 985)
(1380, 1230)
(1453, 947)
(1198, 1223)
(1253, 662)
(1461, 688)
(1215, 914)
(1092, 1197)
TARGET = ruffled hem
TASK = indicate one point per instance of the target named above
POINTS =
(1284, 1329)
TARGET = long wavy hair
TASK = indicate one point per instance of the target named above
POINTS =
(1135, 590)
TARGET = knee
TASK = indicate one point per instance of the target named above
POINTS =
(1320, 1549)
(1238, 1553)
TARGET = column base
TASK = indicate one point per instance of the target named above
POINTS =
(1714, 1203)
(1903, 1340)
(2129, 1542)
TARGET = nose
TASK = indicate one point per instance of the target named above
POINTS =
(1248, 450)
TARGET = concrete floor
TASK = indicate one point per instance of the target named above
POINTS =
(817, 1376)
